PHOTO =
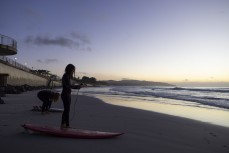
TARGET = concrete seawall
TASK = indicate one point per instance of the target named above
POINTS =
(19, 77)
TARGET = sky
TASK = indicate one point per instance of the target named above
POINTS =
(155, 40)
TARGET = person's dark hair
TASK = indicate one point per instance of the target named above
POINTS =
(69, 68)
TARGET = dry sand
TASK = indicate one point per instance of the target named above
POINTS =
(145, 132)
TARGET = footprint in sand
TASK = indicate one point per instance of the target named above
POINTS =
(212, 134)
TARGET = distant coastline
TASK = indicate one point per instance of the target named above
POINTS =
(133, 83)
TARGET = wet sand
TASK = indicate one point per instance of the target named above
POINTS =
(145, 131)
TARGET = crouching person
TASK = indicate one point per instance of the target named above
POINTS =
(47, 97)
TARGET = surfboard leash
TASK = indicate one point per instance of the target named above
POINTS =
(75, 105)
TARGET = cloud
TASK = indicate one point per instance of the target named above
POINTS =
(81, 37)
(74, 41)
(46, 40)
(48, 61)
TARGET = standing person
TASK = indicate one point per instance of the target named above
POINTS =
(47, 97)
(66, 93)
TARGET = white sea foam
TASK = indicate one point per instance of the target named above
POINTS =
(199, 97)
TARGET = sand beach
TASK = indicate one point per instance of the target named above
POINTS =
(145, 131)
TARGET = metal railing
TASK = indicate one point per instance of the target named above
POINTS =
(14, 63)
(7, 41)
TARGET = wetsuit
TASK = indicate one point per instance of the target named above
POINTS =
(66, 97)
(46, 97)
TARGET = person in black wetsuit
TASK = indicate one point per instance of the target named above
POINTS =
(47, 97)
(66, 93)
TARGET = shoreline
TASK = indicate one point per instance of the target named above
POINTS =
(145, 131)
(208, 115)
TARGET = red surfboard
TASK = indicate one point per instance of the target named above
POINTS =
(70, 132)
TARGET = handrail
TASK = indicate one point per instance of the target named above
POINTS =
(14, 63)
(7, 41)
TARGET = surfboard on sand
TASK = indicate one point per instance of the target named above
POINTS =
(70, 132)
(38, 108)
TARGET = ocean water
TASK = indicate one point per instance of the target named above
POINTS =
(208, 104)
(215, 98)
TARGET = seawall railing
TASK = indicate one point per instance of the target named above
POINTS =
(5, 40)
(14, 63)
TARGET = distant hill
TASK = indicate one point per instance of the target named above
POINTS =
(135, 83)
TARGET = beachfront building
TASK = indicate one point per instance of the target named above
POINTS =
(8, 46)
(16, 75)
